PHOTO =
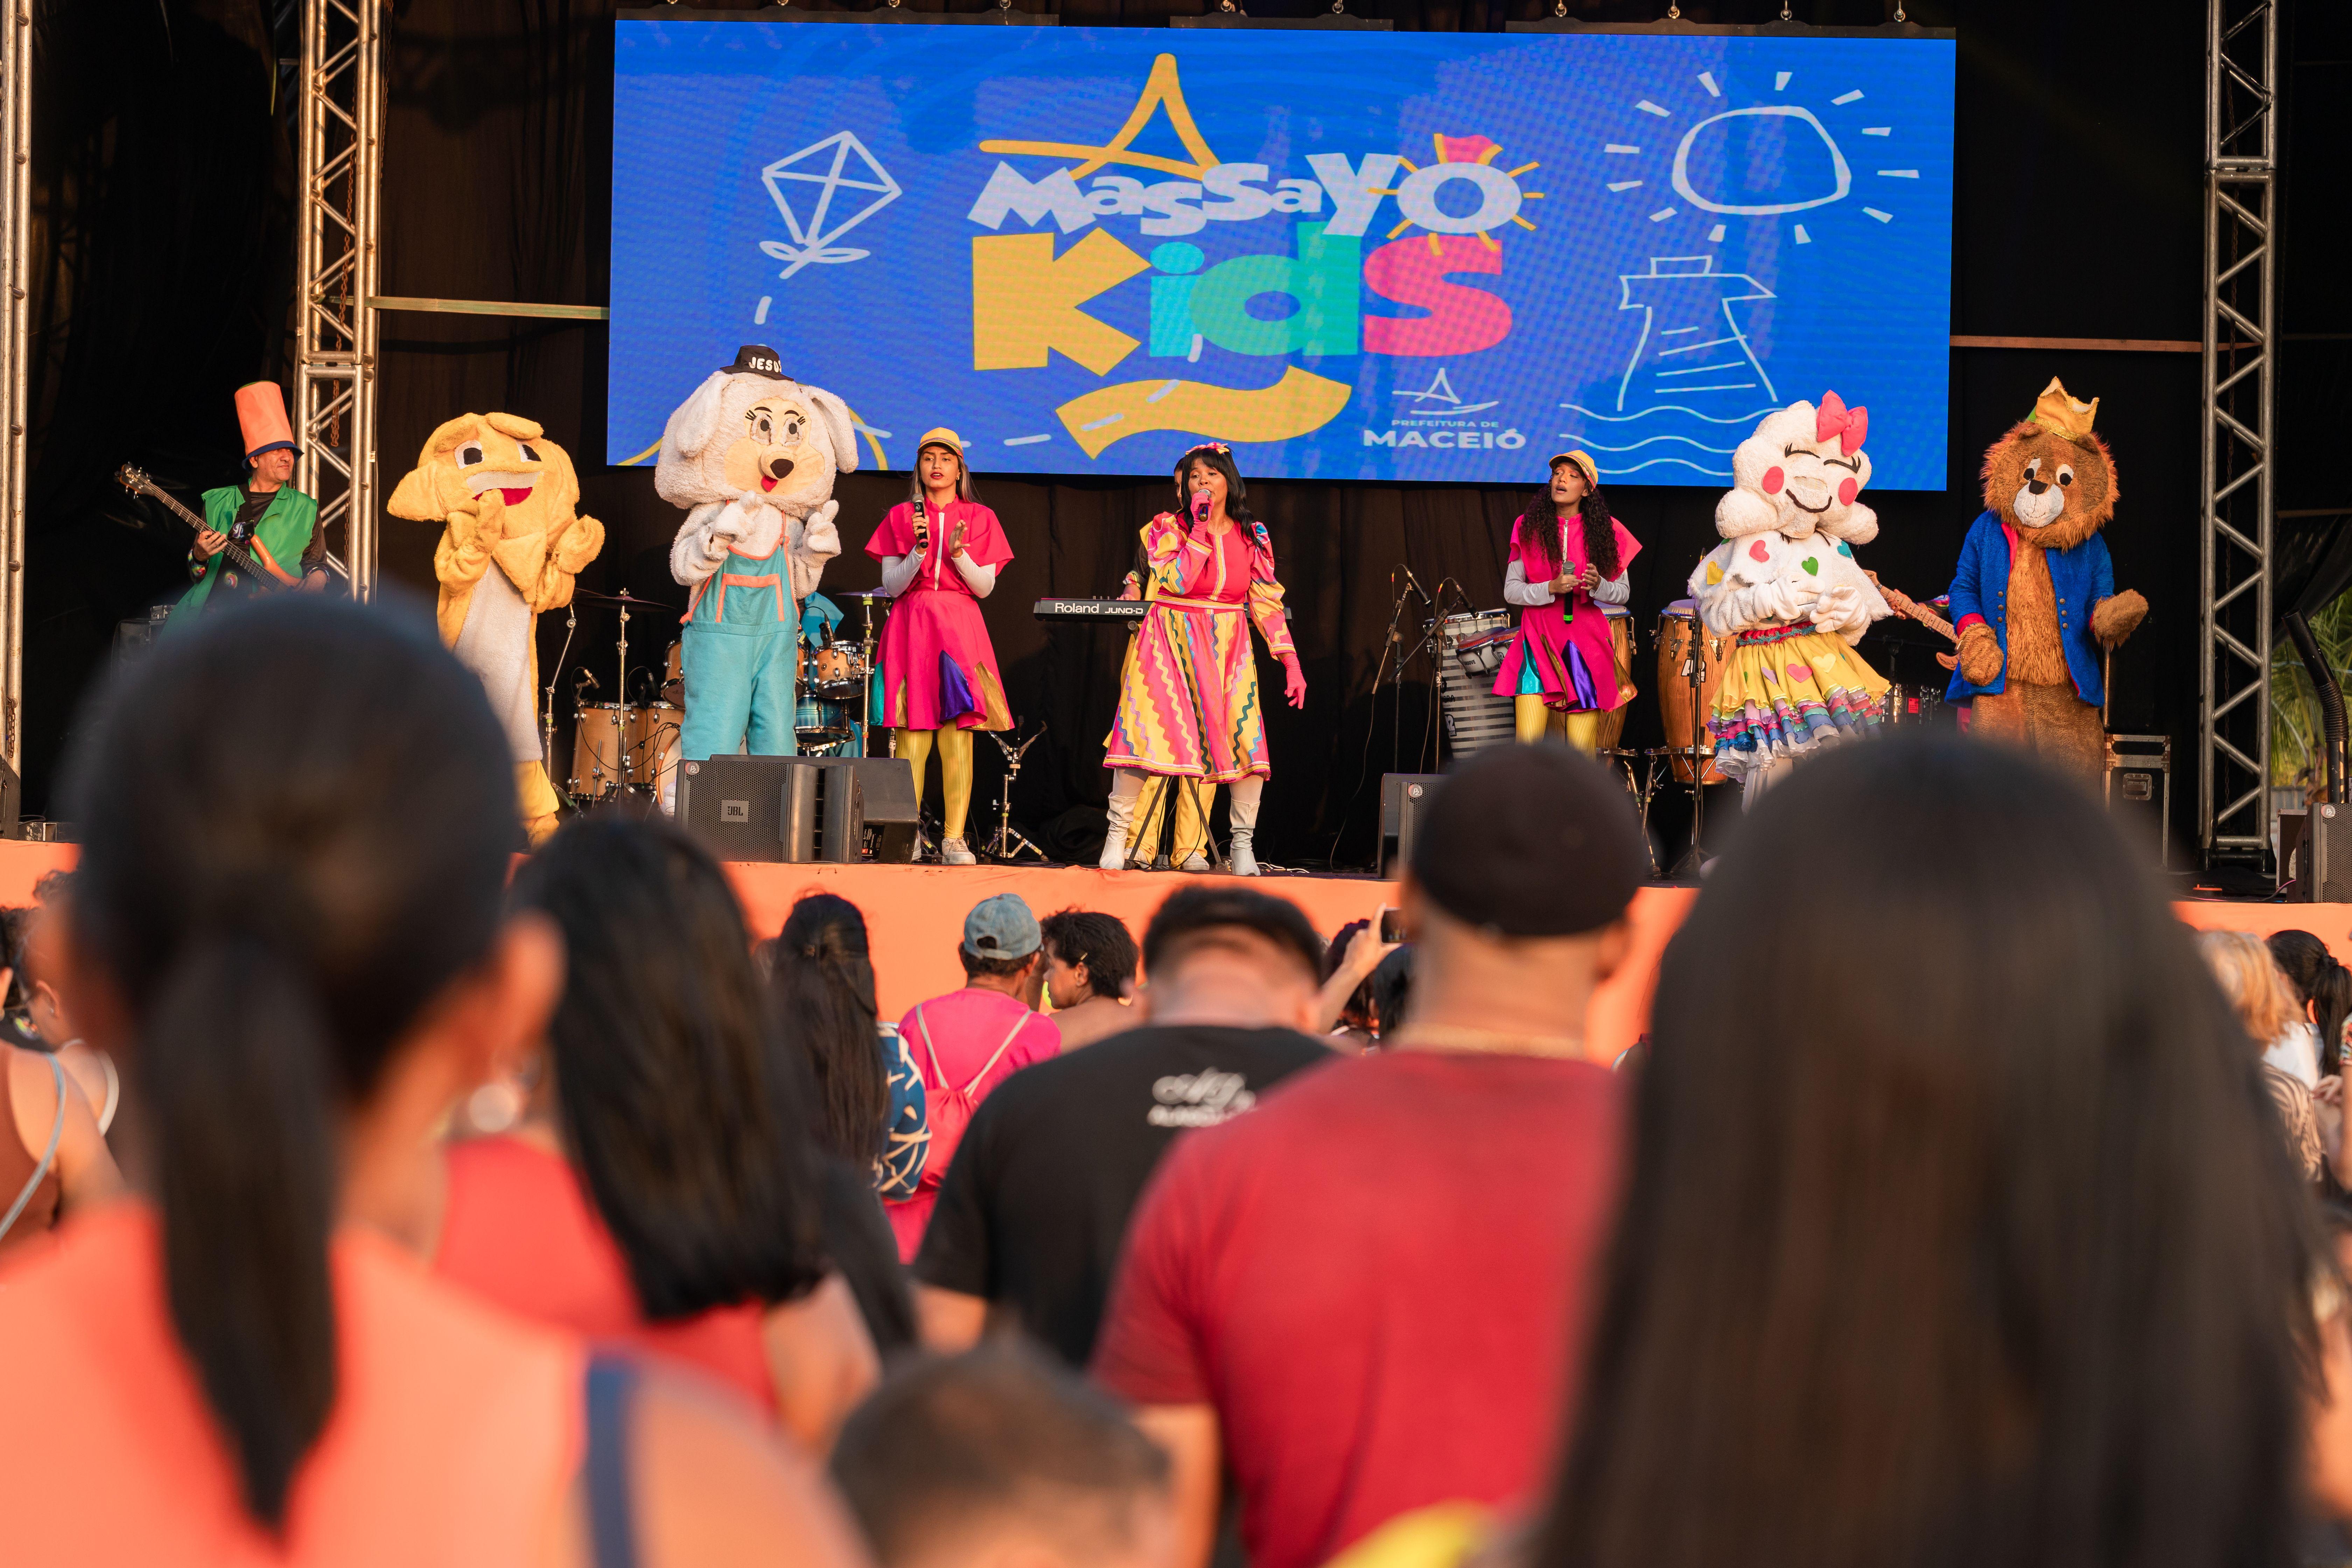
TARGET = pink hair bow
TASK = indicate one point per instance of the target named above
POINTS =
(1848, 425)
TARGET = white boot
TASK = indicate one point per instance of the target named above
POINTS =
(956, 852)
(1242, 798)
(1127, 784)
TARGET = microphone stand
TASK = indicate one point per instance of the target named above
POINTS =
(547, 725)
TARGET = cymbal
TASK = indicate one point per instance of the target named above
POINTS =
(853, 593)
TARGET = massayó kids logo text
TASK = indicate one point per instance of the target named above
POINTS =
(1029, 291)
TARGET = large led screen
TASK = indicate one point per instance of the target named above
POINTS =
(1354, 255)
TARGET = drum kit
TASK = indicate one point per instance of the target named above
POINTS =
(629, 749)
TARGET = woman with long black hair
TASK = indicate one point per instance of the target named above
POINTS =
(1979, 1248)
(662, 1190)
(870, 1105)
(1569, 558)
(1189, 708)
(291, 935)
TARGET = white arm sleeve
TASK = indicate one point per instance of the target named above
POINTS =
(1517, 590)
(981, 580)
(897, 571)
(1613, 590)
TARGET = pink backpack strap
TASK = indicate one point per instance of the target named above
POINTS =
(924, 1028)
(1019, 1023)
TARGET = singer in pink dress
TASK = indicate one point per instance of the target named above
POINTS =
(941, 551)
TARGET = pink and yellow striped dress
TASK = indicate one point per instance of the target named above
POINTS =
(1189, 705)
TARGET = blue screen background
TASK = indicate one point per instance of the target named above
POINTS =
(1663, 239)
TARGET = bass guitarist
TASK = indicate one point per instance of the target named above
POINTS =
(277, 524)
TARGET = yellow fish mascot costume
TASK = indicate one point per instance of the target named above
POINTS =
(752, 453)
(512, 543)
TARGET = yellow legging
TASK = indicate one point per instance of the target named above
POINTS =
(1534, 719)
(1191, 799)
(955, 770)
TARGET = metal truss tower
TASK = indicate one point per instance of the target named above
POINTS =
(335, 368)
(16, 312)
(2236, 528)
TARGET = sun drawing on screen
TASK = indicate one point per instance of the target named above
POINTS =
(1679, 189)
(1463, 160)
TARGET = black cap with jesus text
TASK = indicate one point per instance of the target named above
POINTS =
(1529, 840)
(757, 359)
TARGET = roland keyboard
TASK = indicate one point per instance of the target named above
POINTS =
(1089, 610)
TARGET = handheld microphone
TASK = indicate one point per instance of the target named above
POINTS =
(1200, 506)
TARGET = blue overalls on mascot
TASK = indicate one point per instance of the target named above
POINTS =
(753, 454)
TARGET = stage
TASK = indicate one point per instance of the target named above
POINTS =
(915, 914)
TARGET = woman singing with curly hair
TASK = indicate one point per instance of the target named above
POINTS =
(1189, 708)
(1562, 669)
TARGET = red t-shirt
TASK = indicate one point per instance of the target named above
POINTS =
(1379, 1279)
(518, 1229)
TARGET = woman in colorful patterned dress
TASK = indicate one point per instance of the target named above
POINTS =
(1189, 707)
(940, 551)
(1562, 670)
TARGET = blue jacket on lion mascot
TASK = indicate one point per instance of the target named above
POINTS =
(2034, 598)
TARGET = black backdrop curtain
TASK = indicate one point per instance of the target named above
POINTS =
(2077, 214)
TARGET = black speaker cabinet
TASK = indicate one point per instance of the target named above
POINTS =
(2320, 857)
(1401, 798)
(798, 809)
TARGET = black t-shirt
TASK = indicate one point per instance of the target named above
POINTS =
(1034, 1207)
(857, 1240)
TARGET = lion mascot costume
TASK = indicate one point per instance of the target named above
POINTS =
(506, 498)
(2034, 599)
(753, 454)
(1785, 583)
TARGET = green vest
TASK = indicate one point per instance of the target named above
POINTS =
(282, 535)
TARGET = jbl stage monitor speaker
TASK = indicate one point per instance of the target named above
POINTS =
(1402, 797)
(2322, 862)
(799, 809)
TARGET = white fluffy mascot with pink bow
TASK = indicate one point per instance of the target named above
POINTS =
(1785, 586)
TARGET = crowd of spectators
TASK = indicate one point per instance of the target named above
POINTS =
(366, 1196)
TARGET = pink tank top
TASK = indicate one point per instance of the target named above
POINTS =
(518, 1229)
(455, 1440)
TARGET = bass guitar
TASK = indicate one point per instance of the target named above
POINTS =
(234, 553)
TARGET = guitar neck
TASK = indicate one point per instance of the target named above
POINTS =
(234, 552)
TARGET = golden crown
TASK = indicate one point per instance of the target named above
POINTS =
(2063, 414)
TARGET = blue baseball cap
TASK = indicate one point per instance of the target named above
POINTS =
(1001, 926)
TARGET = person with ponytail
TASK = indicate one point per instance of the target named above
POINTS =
(1189, 709)
(1569, 558)
(662, 1190)
(2312, 1046)
(291, 937)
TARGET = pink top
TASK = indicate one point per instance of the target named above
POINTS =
(964, 1029)
(518, 1229)
(984, 541)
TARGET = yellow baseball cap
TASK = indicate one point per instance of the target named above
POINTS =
(1583, 466)
(942, 437)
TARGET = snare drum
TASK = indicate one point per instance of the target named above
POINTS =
(1684, 728)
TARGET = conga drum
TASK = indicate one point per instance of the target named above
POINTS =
(1677, 628)
(1621, 641)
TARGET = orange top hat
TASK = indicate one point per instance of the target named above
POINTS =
(262, 415)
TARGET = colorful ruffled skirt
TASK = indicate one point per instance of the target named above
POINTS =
(1787, 691)
(938, 666)
(1189, 705)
